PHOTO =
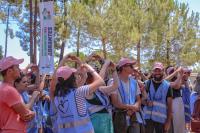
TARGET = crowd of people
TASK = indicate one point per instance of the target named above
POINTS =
(97, 96)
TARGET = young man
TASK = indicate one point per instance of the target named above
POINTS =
(158, 107)
(13, 113)
(126, 100)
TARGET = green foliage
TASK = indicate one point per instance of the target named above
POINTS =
(165, 29)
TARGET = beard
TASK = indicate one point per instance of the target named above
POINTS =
(156, 78)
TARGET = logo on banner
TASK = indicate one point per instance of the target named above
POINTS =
(46, 14)
(47, 38)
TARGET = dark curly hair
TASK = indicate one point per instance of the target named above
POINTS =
(63, 87)
(19, 78)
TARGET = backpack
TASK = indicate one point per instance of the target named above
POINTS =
(195, 123)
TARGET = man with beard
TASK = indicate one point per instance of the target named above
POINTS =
(13, 112)
(158, 106)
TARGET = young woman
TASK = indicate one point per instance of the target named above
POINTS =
(99, 103)
(21, 85)
(69, 99)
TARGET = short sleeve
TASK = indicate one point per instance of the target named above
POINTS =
(169, 93)
(138, 90)
(12, 97)
(110, 82)
(83, 91)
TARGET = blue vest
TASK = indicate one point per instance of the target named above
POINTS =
(72, 114)
(53, 115)
(104, 101)
(131, 97)
(186, 100)
(32, 125)
(157, 112)
(193, 97)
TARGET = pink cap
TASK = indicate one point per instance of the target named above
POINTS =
(9, 61)
(124, 61)
(170, 70)
(65, 72)
(158, 65)
(187, 70)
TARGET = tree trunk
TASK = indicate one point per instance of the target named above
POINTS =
(35, 33)
(78, 41)
(30, 30)
(168, 52)
(138, 53)
(104, 48)
(6, 41)
(62, 51)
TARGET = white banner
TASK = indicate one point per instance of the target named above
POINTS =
(46, 60)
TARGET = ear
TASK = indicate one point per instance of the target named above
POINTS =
(9, 71)
(16, 84)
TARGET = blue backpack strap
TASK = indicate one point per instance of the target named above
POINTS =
(122, 92)
(147, 87)
(186, 100)
(133, 89)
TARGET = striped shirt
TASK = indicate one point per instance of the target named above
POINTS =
(80, 94)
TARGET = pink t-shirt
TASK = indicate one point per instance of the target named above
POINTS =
(9, 120)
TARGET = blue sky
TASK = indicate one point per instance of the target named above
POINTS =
(15, 50)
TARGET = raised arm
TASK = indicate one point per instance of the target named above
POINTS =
(169, 77)
(104, 68)
(35, 86)
(53, 80)
(33, 98)
(36, 93)
(98, 81)
(112, 87)
(25, 71)
(177, 83)
(65, 59)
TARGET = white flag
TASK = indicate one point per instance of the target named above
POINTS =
(47, 38)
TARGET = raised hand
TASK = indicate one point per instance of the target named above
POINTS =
(75, 59)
